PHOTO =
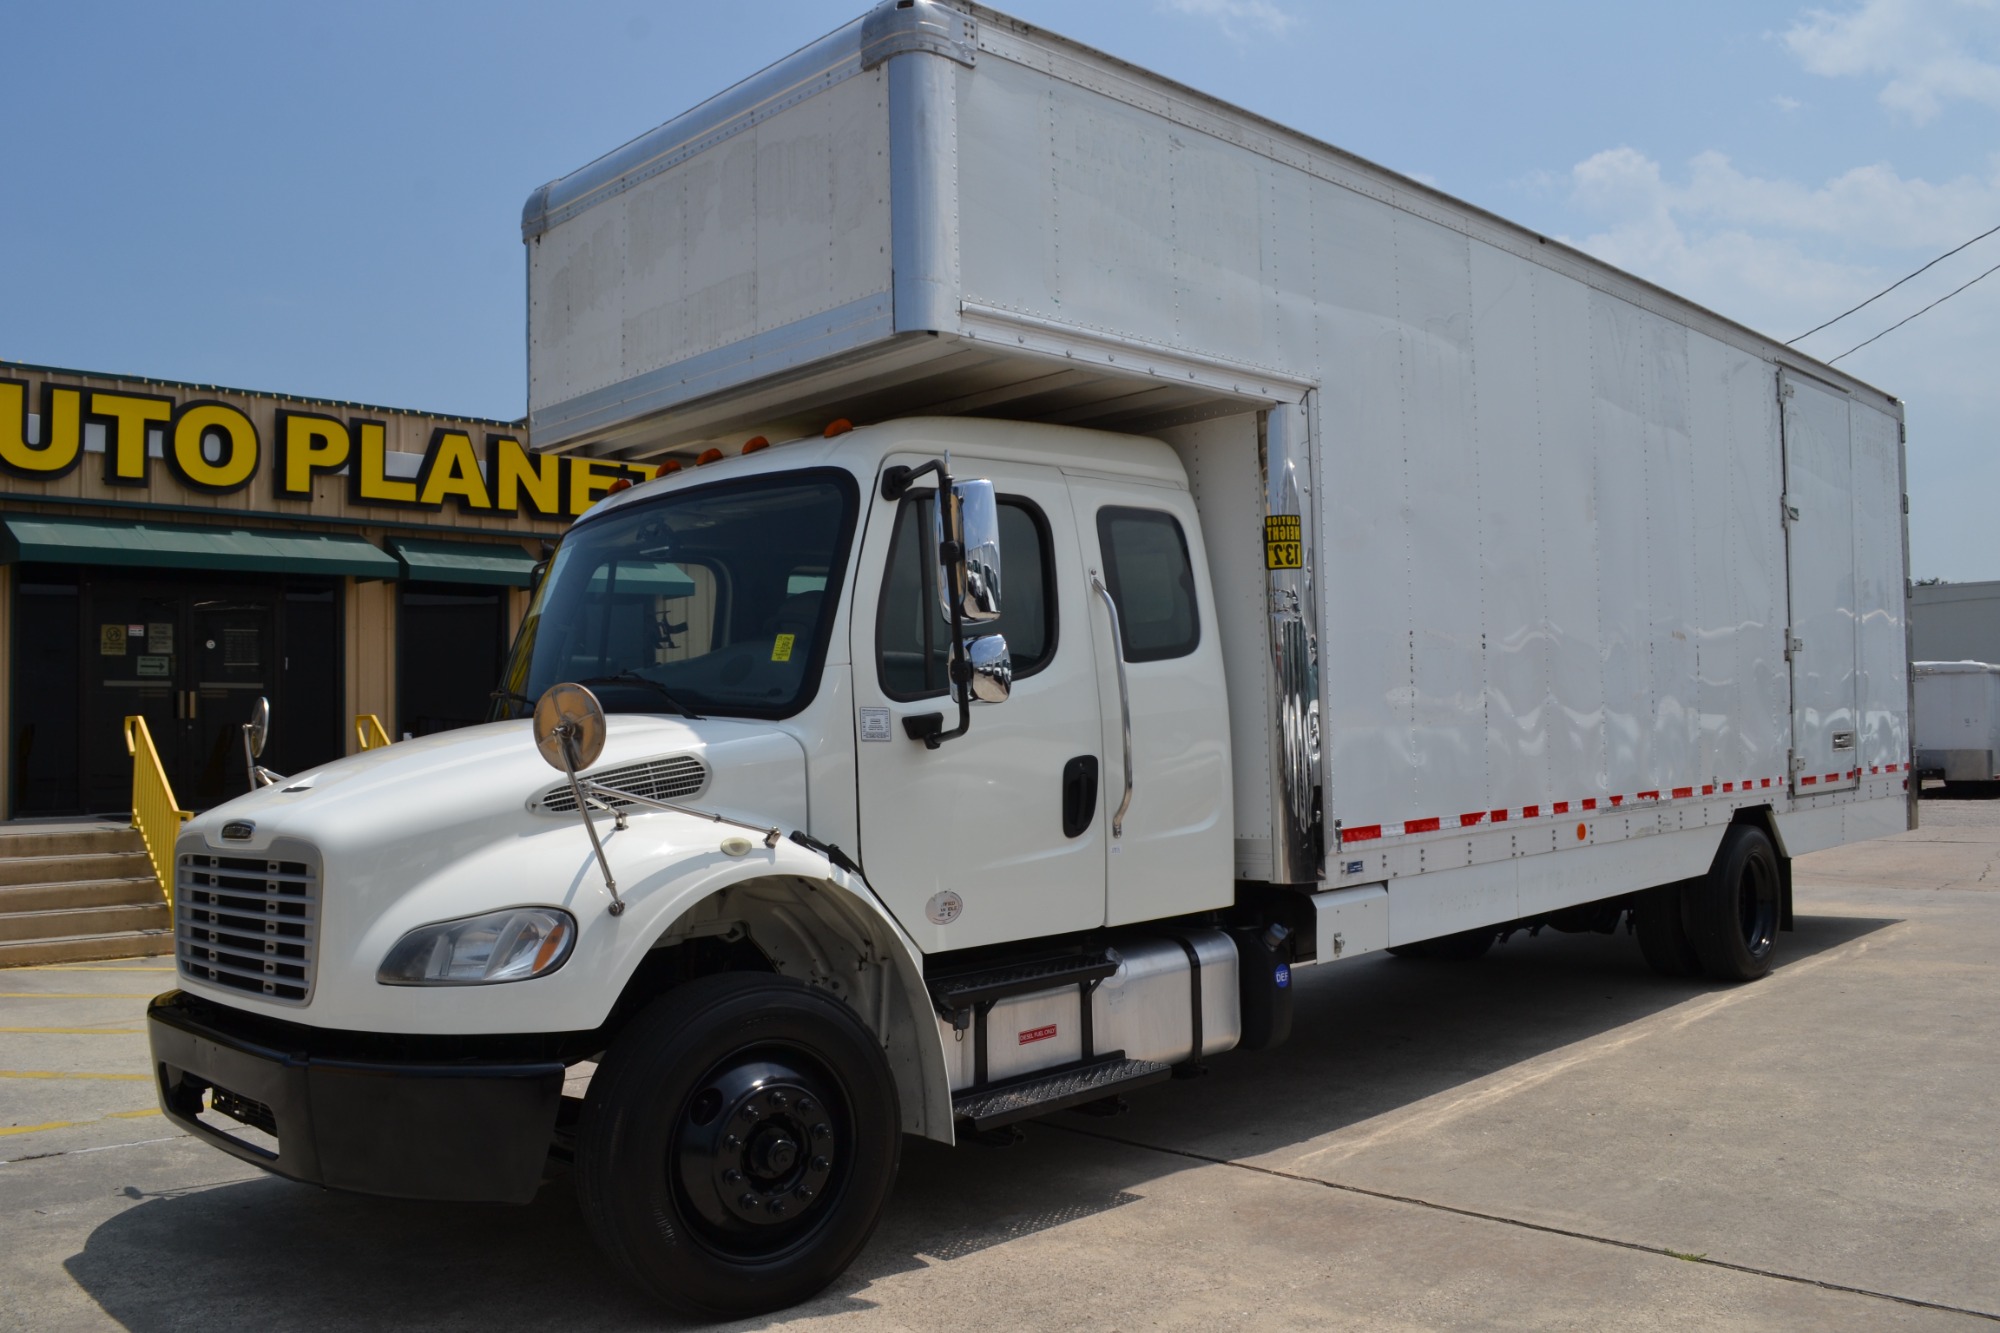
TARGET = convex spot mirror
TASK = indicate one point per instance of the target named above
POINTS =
(992, 668)
(569, 727)
(971, 583)
(258, 729)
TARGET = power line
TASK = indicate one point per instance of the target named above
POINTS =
(1890, 288)
(1907, 318)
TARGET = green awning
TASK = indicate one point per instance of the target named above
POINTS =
(145, 544)
(463, 562)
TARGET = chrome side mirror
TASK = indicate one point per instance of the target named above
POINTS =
(992, 668)
(971, 583)
(569, 733)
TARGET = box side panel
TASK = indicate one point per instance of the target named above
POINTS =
(763, 235)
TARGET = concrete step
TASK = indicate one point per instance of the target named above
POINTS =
(135, 890)
(83, 948)
(66, 922)
(86, 840)
(56, 868)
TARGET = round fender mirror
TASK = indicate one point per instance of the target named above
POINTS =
(569, 727)
(259, 726)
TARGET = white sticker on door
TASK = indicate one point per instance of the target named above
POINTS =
(875, 724)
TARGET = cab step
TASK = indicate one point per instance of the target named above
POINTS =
(961, 992)
(1038, 1094)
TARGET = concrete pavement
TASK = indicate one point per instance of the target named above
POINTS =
(1549, 1138)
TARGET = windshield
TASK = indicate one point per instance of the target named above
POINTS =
(710, 600)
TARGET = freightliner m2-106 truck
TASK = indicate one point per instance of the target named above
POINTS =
(1245, 559)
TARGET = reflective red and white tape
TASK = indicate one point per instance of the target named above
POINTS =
(1588, 804)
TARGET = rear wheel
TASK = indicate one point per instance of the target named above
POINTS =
(1732, 913)
(738, 1144)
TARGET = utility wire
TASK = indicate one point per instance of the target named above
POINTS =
(1890, 288)
(1907, 318)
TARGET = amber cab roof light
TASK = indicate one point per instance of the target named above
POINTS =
(668, 468)
(708, 456)
(754, 443)
(838, 426)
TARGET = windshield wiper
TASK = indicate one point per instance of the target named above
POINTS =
(630, 677)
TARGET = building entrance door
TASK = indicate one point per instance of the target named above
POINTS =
(192, 661)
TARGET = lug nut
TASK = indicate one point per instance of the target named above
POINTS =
(748, 1203)
(749, 1110)
(804, 1192)
(821, 1130)
(820, 1164)
(806, 1106)
(778, 1100)
(733, 1176)
(731, 1141)
(777, 1207)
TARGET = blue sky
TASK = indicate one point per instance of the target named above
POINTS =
(325, 199)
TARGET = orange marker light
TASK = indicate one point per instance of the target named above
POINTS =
(708, 456)
(1579, 833)
(838, 426)
(754, 443)
(668, 468)
(622, 484)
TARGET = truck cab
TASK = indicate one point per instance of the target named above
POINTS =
(388, 966)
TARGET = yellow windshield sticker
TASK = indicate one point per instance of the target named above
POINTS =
(781, 648)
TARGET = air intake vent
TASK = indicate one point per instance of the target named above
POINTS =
(248, 922)
(674, 778)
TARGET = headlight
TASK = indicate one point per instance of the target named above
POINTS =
(500, 946)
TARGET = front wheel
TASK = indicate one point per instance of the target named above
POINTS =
(738, 1144)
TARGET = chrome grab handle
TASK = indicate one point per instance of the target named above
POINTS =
(1124, 700)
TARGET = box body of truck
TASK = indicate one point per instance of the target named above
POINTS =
(1958, 722)
(1188, 553)
(1578, 564)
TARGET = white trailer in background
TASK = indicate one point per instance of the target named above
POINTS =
(1370, 573)
(1958, 723)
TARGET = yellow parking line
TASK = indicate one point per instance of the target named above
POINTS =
(70, 995)
(56, 1073)
(80, 1032)
(75, 1124)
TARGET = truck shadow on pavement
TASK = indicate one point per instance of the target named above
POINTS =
(1372, 1036)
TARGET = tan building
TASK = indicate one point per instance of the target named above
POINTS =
(174, 551)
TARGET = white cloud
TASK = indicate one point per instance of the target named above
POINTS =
(1786, 104)
(1238, 19)
(1931, 51)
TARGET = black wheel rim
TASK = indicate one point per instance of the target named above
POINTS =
(761, 1150)
(1757, 906)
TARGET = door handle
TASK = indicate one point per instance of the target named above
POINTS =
(1079, 795)
(1124, 700)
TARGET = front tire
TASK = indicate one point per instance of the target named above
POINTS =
(738, 1144)
(1732, 913)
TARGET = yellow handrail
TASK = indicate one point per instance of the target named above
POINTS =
(154, 813)
(369, 732)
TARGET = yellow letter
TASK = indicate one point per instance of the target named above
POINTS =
(367, 481)
(591, 478)
(128, 415)
(520, 477)
(451, 468)
(308, 445)
(194, 425)
(62, 431)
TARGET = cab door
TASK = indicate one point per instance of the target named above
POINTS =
(996, 835)
(1171, 851)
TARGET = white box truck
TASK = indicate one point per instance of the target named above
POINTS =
(1246, 558)
(1957, 709)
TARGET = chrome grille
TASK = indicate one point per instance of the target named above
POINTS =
(674, 778)
(248, 922)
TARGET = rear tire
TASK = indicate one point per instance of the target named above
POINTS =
(1732, 913)
(738, 1144)
(1659, 920)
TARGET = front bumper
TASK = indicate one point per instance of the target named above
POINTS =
(470, 1131)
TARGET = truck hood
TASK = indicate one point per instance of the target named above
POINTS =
(455, 824)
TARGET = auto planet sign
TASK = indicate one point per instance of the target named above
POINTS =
(214, 446)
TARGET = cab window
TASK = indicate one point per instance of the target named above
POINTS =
(912, 636)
